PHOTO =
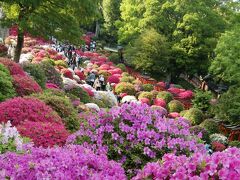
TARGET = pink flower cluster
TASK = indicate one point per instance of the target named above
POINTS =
(136, 131)
(220, 165)
(45, 134)
(71, 162)
(14, 68)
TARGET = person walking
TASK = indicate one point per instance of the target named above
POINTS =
(92, 78)
(74, 61)
(102, 82)
(97, 84)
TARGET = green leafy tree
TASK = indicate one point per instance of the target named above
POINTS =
(225, 66)
(149, 53)
(59, 18)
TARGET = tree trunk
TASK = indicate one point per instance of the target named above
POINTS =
(18, 49)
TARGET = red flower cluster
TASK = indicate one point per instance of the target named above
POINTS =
(113, 79)
(45, 134)
(14, 68)
(25, 85)
(67, 73)
(20, 109)
(217, 146)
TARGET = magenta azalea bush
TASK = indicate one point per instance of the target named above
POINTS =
(71, 162)
(20, 109)
(135, 134)
(220, 165)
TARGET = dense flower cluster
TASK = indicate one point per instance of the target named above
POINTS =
(44, 134)
(14, 68)
(25, 85)
(220, 165)
(135, 134)
(71, 162)
(19, 109)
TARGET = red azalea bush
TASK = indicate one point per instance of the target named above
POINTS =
(67, 73)
(14, 68)
(217, 146)
(173, 115)
(45, 134)
(186, 95)
(25, 85)
(174, 90)
(159, 102)
(20, 109)
(145, 100)
(89, 91)
(80, 74)
(113, 79)
(51, 86)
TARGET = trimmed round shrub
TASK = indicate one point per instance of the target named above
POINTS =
(159, 102)
(21, 109)
(80, 93)
(60, 63)
(45, 134)
(125, 74)
(113, 79)
(52, 75)
(147, 95)
(217, 146)
(67, 73)
(14, 68)
(37, 73)
(175, 106)
(128, 79)
(167, 96)
(125, 87)
(138, 87)
(24, 85)
(194, 115)
(106, 74)
(148, 87)
(122, 67)
(80, 74)
(137, 81)
(183, 112)
(155, 93)
(210, 125)
(201, 132)
(145, 100)
(100, 103)
(63, 106)
(6, 87)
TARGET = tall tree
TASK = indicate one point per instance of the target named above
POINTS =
(59, 18)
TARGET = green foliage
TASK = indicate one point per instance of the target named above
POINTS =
(37, 73)
(182, 113)
(122, 67)
(166, 96)
(59, 102)
(61, 63)
(228, 107)
(202, 100)
(148, 87)
(225, 66)
(100, 103)
(211, 126)
(149, 52)
(106, 74)
(51, 74)
(148, 95)
(80, 93)
(128, 79)
(175, 106)
(198, 129)
(234, 144)
(194, 115)
(114, 57)
(125, 87)
(6, 87)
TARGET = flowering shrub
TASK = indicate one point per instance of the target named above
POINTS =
(220, 165)
(199, 131)
(175, 106)
(80, 74)
(10, 139)
(14, 68)
(194, 115)
(186, 94)
(145, 100)
(210, 125)
(36, 72)
(45, 134)
(81, 93)
(148, 87)
(166, 96)
(20, 109)
(51, 86)
(61, 63)
(217, 146)
(67, 73)
(71, 162)
(135, 134)
(147, 95)
(218, 138)
(108, 98)
(159, 102)
(6, 86)
(125, 87)
(62, 105)
(128, 79)
(122, 67)
(24, 85)
(113, 79)
(51, 74)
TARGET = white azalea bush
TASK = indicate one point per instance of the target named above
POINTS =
(107, 97)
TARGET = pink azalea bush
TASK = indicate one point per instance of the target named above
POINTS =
(220, 165)
(135, 134)
(14, 68)
(20, 109)
(113, 79)
(67, 73)
(45, 134)
(51, 86)
(24, 85)
(71, 162)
